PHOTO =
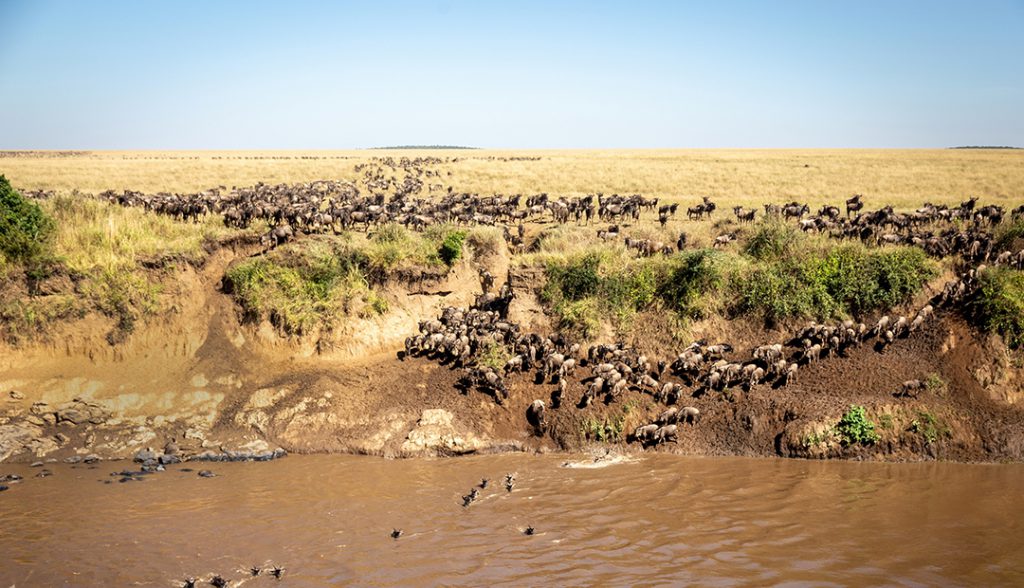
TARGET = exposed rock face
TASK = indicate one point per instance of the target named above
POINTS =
(808, 439)
(20, 437)
(253, 450)
(436, 432)
(78, 412)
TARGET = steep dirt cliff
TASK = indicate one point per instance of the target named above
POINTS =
(217, 387)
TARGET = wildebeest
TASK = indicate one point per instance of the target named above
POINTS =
(666, 434)
(645, 433)
(910, 388)
(535, 415)
(854, 204)
(743, 215)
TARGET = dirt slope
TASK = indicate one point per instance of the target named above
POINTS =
(213, 385)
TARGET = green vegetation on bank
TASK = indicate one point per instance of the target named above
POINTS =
(297, 289)
(451, 247)
(493, 355)
(95, 234)
(1009, 236)
(929, 426)
(587, 288)
(780, 273)
(812, 278)
(320, 282)
(25, 230)
(998, 305)
(855, 427)
(70, 255)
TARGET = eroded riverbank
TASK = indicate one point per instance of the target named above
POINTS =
(442, 367)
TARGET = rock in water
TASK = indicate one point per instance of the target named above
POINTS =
(145, 455)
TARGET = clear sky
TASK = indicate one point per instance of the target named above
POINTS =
(515, 74)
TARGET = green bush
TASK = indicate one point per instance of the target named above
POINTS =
(25, 230)
(855, 427)
(1007, 235)
(450, 250)
(781, 290)
(929, 426)
(631, 289)
(998, 305)
(493, 355)
(298, 290)
(840, 280)
(584, 288)
(689, 277)
(573, 280)
(608, 430)
(782, 274)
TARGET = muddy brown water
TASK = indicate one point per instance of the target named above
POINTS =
(658, 520)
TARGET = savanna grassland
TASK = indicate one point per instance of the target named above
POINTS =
(94, 237)
(118, 282)
(749, 177)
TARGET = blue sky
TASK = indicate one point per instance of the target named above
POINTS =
(321, 75)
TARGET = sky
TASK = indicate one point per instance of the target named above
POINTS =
(511, 74)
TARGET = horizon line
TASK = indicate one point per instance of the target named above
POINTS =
(476, 148)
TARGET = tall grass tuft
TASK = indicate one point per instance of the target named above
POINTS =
(95, 234)
(300, 289)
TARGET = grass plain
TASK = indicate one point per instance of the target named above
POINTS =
(748, 177)
(104, 242)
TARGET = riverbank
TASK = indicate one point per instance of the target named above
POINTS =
(213, 384)
(153, 319)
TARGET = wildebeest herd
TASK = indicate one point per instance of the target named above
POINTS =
(462, 337)
(458, 337)
(703, 368)
(699, 369)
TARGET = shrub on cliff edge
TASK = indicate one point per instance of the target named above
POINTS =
(25, 230)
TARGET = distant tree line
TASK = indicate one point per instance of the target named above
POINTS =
(985, 147)
(425, 147)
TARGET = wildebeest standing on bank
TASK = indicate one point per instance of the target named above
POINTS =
(535, 416)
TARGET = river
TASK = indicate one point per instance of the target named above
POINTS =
(657, 520)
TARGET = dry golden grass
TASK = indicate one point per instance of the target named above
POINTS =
(106, 242)
(904, 178)
(93, 234)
